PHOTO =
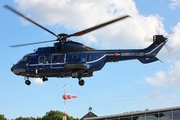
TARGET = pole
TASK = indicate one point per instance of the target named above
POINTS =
(64, 114)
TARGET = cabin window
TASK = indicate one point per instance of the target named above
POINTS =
(74, 56)
(58, 58)
(55, 58)
(47, 58)
(61, 58)
(42, 59)
(88, 57)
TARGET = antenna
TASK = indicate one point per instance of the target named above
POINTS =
(90, 108)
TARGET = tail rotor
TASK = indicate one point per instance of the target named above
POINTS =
(150, 39)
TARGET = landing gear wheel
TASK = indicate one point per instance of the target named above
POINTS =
(81, 82)
(44, 79)
(27, 82)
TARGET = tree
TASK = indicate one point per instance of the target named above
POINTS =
(25, 118)
(2, 117)
(53, 115)
(28, 118)
(56, 115)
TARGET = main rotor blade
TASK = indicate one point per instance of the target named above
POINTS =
(98, 26)
(18, 13)
(20, 45)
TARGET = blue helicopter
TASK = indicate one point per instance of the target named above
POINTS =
(73, 59)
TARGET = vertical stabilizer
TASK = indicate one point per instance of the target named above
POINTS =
(158, 42)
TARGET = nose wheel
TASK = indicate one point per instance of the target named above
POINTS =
(28, 82)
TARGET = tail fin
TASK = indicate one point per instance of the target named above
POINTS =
(158, 42)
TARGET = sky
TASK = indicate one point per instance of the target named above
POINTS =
(117, 88)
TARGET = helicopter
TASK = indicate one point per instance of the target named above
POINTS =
(68, 58)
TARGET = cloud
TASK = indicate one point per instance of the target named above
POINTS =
(157, 94)
(171, 78)
(162, 98)
(175, 39)
(174, 4)
(75, 15)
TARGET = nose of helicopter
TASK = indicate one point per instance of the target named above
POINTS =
(16, 70)
(12, 68)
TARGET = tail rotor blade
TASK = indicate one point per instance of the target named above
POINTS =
(169, 35)
(168, 48)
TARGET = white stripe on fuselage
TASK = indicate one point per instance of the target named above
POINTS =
(97, 59)
(93, 60)
(154, 49)
(40, 64)
(46, 64)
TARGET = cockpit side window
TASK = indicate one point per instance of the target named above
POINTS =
(25, 58)
(42, 59)
(88, 57)
(74, 56)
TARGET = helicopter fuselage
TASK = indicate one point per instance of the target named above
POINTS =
(61, 60)
(67, 58)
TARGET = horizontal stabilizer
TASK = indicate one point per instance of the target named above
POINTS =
(148, 59)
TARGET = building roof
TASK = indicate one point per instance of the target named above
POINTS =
(133, 113)
(88, 115)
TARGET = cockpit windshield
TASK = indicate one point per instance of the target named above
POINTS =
(24, 59)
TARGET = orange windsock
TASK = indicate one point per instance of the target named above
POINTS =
(67, 96)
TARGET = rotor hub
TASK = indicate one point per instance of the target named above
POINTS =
(63, 37)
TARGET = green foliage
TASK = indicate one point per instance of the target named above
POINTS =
(2, 117)
(56, 115)
(27, 118)
(51, 115)
(135, 111)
